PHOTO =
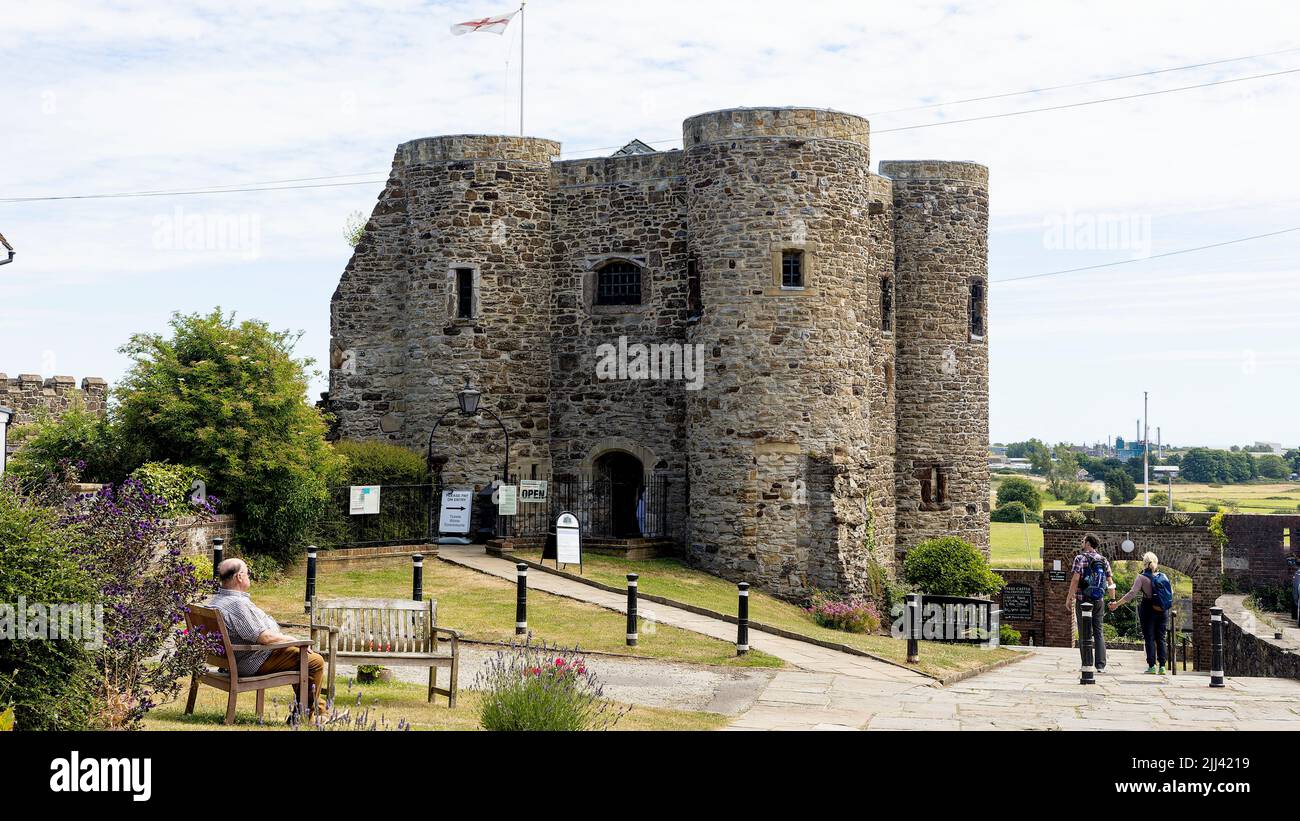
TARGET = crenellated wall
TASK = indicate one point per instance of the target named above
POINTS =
(30, 395)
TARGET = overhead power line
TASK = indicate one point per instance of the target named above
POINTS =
(1144, 259)
(1083, 83)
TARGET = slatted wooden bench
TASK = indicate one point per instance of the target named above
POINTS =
(393, 633)
(226, 676)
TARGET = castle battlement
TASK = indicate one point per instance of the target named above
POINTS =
(29, 394)
(839, 314)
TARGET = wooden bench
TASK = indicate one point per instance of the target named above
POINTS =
(390, 632)
(226, 676)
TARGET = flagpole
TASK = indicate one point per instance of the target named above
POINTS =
(522, 3)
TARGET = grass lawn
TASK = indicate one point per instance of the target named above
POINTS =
(672, 579)
(393, 701)
(1015, 545)
(483, 608)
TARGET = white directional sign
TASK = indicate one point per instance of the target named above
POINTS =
(364, 500)
(455, 511)
(532, 490)
(507, 500)
(568, 541)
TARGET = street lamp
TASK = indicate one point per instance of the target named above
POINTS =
(468, 398)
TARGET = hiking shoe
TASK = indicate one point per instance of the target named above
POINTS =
(1151, 671)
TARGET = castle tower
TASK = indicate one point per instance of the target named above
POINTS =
(782, 213)
(941, 240)
(451, 281)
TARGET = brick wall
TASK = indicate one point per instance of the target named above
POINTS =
(1258, 548)
(1031, 629)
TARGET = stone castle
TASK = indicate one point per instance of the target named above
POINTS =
(842, 412)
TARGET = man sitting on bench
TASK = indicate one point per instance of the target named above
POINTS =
(249, 624)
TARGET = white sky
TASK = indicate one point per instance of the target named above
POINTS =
(134, 95)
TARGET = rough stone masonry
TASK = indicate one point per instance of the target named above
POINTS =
(841, 316)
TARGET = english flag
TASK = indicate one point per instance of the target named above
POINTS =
(496, 25)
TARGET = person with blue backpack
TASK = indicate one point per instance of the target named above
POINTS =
(1157, 599)
(1091, 582)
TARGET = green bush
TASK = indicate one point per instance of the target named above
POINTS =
(76, 437)
(1273, 598)
(382, 463)
(49, 684)
(1008, 635)
(950, 566)
(1014, 512)
(1020, 489)
(1120, 488)
(228, 398)
(532, 687)
(1074, 493)
(171, 482)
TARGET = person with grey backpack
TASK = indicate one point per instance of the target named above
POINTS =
(1157, 599)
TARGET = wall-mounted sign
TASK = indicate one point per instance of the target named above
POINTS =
(455, 514)
(1056, 575)
(532, 490)
(363, 500)
(507, 500)
(1017, 602)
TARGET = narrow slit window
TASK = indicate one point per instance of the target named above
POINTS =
(618, 283)
(977, 307)
(465, 293)
(792, 269)
(694, 299)
(887, 305)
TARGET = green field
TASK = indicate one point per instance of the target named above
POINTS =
(1247, 497)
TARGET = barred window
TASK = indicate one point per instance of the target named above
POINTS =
(792, 269)
(618, 283)
(977, 307)
(886, 304)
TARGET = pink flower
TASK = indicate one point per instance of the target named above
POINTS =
(559, 662)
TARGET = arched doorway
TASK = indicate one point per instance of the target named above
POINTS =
(623, 477)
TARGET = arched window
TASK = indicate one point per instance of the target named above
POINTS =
(977, 308)
(618, 283)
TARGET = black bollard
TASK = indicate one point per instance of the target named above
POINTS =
(742, 620)
(1088, 671)
(218, 554)
(311, 579)
(913, 626)
(417, 577)
(1171, 652)
(631, 609)
(1184, 654)
(521, 599)
(1216, 647)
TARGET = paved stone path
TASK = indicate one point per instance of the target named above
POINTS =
(829, 690)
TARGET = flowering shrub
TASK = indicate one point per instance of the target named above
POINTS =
(119, 536)
(847, 614)
(534, 687)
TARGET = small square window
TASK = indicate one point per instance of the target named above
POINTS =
(618, 283)
(792, 269)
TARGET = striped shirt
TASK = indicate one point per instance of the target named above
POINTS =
(245, 621)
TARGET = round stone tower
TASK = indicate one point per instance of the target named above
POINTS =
(941, 241)
(473, 252)
(782, 213)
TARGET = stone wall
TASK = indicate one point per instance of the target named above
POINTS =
(199, 534)
(1249, 648)
(1258, 548)
(29, 396)
(786, 458)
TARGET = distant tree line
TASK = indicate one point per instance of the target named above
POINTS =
(1059, 465)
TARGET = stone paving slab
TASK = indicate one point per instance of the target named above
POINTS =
(829, 690)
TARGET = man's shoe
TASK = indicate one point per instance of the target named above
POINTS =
(1151, 671)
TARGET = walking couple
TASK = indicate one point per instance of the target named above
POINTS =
(1091, 582)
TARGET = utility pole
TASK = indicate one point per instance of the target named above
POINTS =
(1146, 454)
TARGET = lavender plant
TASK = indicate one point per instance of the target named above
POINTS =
(532, 686)
(121, 538)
